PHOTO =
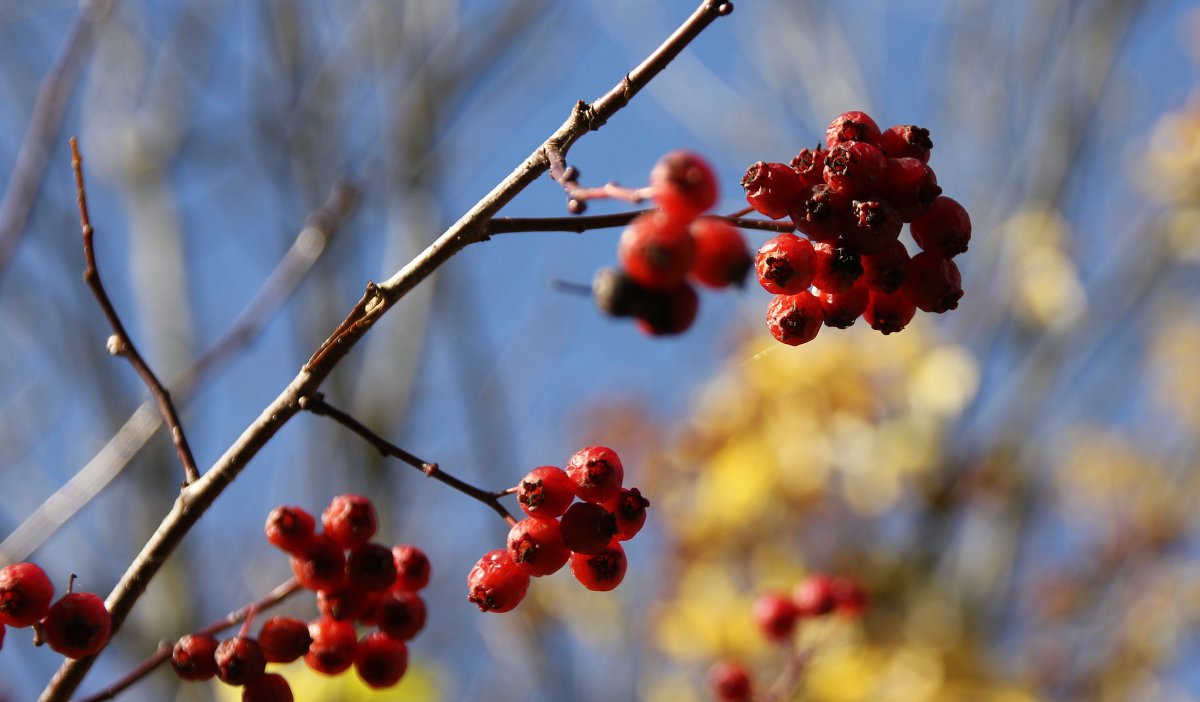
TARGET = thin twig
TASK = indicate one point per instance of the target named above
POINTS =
(120, 343)
(471, 228)
(163, 653)
(316, 404)
(568, 178)
(579, 225)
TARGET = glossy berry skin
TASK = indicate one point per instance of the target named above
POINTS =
(855, 169)
(496, 584)
(193, 657)
(400, 614)
(684, 185)
(669, 312)
(729, 682)
(910, 186)
(842, 309)
(239, 660)
(333, 646)
(945, 229)
(25, 594)
(822, 213)
(587, 527)
(850, 598)
(350, 520)
(412, 567)
(776, 617)
(873, 225)
(536, 546)
(813, 596)
(809, 165)
(546, 492)
(268, 687)
(370, 567)
(771, 187)
(597, 473)
(380, 660)
(289, 528)
(321, 565)
(77, 625)
(887, 270)
(934, 283)
(906, 141)
(794, 319)
(602, 571)
(629, 507)
(656, 251)
(852, 126)
(722, 258)
(784, 265)
(835, 266)
(284, 639)
(889, 312)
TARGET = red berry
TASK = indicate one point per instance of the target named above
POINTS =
(889, 312)
(656, 250)
(269, 687)
(813, 596)
(906, 141)
(333, 646)
(412, 567)
(910, 186)
(600, 571)
(821, 213)
(289, 528)
(849, 596)
(380, 660)
(370, 567)
(771, 187)
(809, 164)
(874, 225)
(536, 546)
(546, 492)
(496, 584)
(350, 520)
(629, 508)
(240, 660)
(842, 309)
(835, 266)
(784, 264)
(855, 169)
(321, 565)
(776, 616)
(684, 185)
(852, 126)
(945, 229)
(77, 625)
(343, 604)
(721, 254)
(588, 528)
(729, 682)
(668, 312)
(934, 283)
(25, 594)
(400, 614)
(284, 639)
(193, 657)
(887, 270)
(794, 319)
(597, 472)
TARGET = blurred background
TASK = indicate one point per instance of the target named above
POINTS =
(1014, 482)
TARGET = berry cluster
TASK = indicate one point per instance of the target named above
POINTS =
(77, 625)
(662, 250)
(355, 579)
(851, 199)
(558, 529)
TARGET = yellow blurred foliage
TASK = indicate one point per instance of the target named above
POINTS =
(421, 683)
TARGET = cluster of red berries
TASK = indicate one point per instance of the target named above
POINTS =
(588, 533)
(777, 615)
(851, 200)
(77, 625)
(356, 580)
(662, 250)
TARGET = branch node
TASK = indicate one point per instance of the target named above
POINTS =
(429, 469)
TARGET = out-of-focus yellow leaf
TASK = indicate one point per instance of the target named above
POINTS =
(421, 683)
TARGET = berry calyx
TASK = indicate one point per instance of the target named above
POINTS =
(629, 507)
(852, 126)
(25, 594)
(795, 319)
(843, 308)
(729, 682)
(412, 567)
(722, 258)
(809, 164)
(496, 584)
(268, 687)
(289, 528)
(284, 639)
(77, 625)
(822, 213)
(813, 596)
(684, 185)
(873, 225)
(771, 187)
(856, 169)
(945, 229)
(536, 546)
(656, 250)
(239, 660)
(546, 492)
(601, 571)
(350, 520)
(906, 141)
(333, 646)
(370, 567)
(400, 614)
(380, 660)
(321, 565)
(193, 657)
(889, 312)
(776, 616)
(597, 473)
(587, 528)
(934, 283)
(784, 265)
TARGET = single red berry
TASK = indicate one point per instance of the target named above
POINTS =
(25, 594)
(370, 567)
(587, 527)
(813, 596)
(809, 164)
(874, 225)
(850, 599)
(400, 614)
(321, 565)
(729, 682)
(289, 528)
(784, 265)
(842, 309)
(77, 625)
(333, 646)
(684, 185)
(269, 687)
(887, 270)
(546, 492)
(771, 187)
(669, 312)
(722, 257)
(380, 660)
(945, 229)
(822, 213)
(776, 616)
(536, 546)
(889, 312)
(239, 660)
(934, 283)
(629, 507)
(412, 567)
(906, 141)
(835, 266)
(600, 571)
(597, 473)
(910, 186)
(343, 604)
(193, 657)
(855, 169)
(656, 251)
(284, 639)
(852, 126)
(350, 520)
(794, 319)
(496, 584)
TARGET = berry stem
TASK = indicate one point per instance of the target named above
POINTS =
(316, 404)
(568, 178)
(566, 286)
(579, 225)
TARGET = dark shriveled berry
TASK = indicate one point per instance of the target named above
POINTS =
(269, 687)
(669, 312)
(617, 294)
(587, 528)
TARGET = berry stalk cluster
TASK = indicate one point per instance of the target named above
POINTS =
(76, 625)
